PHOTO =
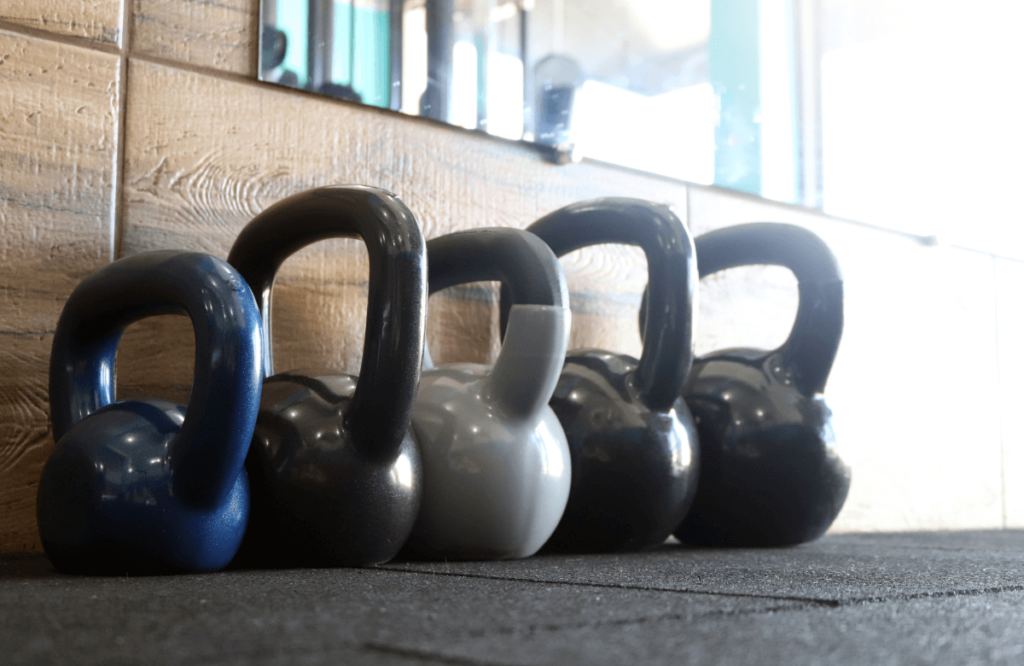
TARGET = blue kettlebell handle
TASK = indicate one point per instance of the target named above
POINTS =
(214, 438)
(672, 275)
(382, 404)
(813, 342)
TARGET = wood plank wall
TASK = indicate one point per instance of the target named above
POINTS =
(138, 127)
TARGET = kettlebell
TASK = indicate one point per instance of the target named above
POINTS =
(335, 469)
(496, 467)
(632, 441)
(148, 485)
(771, 474)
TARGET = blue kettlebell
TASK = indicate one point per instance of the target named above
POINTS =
(335, 470)
(148, 485)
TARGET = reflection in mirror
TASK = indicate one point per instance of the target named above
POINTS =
(650, 84)
(870, 109)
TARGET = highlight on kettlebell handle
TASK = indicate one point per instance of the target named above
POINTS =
(392, 352)
(214, 438)
(811, 347)
(668, 342)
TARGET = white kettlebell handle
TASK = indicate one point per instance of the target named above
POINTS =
(537, 338)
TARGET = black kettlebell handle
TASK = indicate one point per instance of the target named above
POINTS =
(393, 348)
(214, 438)
(518, 259)
(668, 337)
(811, 347)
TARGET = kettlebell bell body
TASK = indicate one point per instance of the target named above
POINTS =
(496, 463)
(632, 441)
(335, 470)
(148, 485)
(771, 473)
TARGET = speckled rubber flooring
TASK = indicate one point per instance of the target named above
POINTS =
(923, 598)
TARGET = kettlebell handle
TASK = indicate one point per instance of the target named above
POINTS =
(672, 275)
(531, 356)
(221, 414)
(393, 345)
(811, 347)
(518, 259)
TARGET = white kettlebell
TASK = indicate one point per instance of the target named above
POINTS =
(496, 469)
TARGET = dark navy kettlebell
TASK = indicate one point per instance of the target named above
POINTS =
(148, 485)
(335, 470)
(632, 441)
(771, 474)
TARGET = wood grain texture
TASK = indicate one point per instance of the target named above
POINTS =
(98, 20)
(147, 367)
(918, 423)
(58, 129)
(25, 438)
(222, 34)
(204, 155)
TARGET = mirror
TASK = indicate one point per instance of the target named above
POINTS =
(631, 82)
(866, 108)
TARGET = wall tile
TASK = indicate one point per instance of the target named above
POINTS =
(204, 155)
(222, 35)
(1009, 288)
(58, 132)
(93, 19)
(916, 422)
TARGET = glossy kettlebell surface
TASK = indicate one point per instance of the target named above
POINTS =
(637, 467)
(496, 463)
(335, 470)
(148, 485)
(632, 441)
(771, 473)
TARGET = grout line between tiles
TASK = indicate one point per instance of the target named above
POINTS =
(70, 40)
(28, 333)
(256, 25)
(424, 655)
(610, 586)
(828, 603)
(117, 215)
(202, 69)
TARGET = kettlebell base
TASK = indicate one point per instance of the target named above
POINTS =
(320, 499)
(634, 469)
(771, 474)
(106, 500)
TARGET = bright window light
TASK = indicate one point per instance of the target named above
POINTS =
(672, 134)
(505, 96)
(463, 110)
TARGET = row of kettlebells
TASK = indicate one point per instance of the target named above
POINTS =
(590, 452)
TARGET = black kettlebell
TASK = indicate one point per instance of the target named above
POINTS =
(335, 470)
(631, 438)
(770, 471)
